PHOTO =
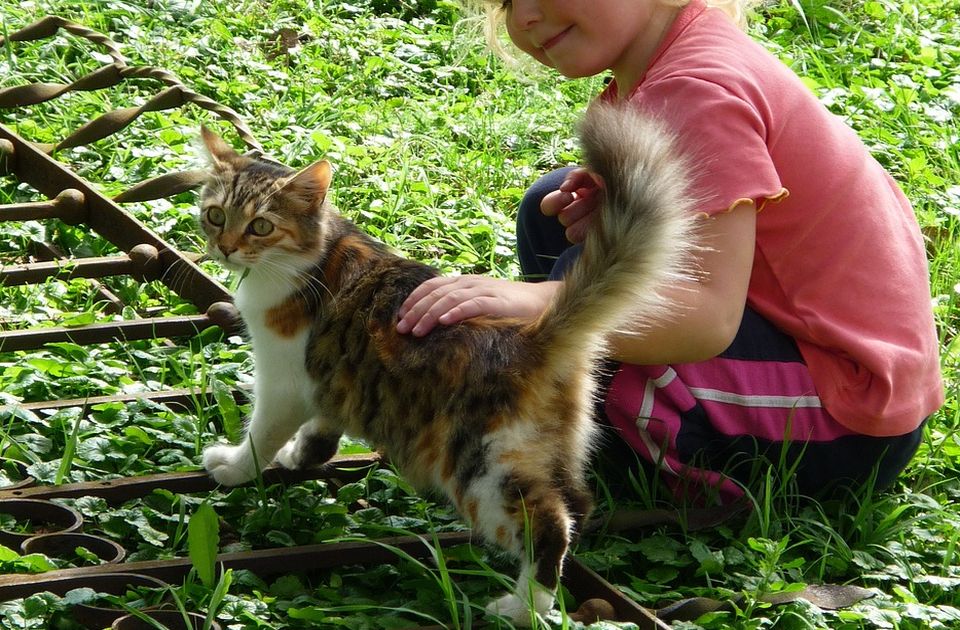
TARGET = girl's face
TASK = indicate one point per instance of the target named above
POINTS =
(585, 37)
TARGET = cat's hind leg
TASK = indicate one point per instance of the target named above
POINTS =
(313, 445)
(535, 524)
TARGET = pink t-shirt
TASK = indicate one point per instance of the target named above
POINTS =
(840, 264)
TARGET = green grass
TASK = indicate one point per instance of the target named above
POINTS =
(433, 143)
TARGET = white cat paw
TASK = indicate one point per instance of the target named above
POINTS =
(229, 465)
(288, 456)
(513, 608)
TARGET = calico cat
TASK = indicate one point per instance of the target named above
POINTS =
(493, 412)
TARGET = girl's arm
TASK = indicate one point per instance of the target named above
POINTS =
(706, 314)
(704, 319)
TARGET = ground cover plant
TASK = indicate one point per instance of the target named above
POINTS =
(433, 143)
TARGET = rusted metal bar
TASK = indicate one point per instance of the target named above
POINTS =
(582, 582)
(141, 263)
(181, 326)
(264, 562)
(28, 163)
(69, 206)
(183, 398)
(49, 25)
(6, 156)
(344, 467)
(585, 583)
(33, 93)
(48, 252)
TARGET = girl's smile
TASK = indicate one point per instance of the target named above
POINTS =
(551, 42)
(581, 38)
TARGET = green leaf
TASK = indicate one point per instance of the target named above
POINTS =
(86, 555)
(711, 562)
(662, 575)
(80, 319)
(216, 599)
(47, 366)
(138, 434)
(68, 452)
(229, 411)
(7, 554)
(203, 542)
(82, 595)
(309, 614)
(287, 586)
(37, 563)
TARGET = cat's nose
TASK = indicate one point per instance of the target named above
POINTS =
(226, 250)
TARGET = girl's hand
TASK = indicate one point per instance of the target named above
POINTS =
(448, 300)
(574, 203)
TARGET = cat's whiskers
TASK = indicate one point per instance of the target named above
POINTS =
(303, 281)
(174, 280)
(267, 270)
(175, 275)
(313, 286)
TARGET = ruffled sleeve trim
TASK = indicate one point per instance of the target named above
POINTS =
(777, 198)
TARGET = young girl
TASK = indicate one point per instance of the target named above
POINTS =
(810, 335)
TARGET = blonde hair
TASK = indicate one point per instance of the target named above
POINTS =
(494, 18)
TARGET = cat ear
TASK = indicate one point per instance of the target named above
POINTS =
(312, 183)
(221, 153)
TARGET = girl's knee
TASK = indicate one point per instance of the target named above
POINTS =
(540, 239)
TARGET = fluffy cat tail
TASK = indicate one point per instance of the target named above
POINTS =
(640, 242)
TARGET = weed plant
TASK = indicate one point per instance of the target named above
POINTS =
(433, 142)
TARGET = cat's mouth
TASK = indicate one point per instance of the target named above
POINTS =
(235, 266)
(225, 261)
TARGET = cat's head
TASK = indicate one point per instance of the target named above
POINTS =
(259, 214)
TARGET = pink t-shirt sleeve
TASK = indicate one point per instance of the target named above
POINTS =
(723, 136)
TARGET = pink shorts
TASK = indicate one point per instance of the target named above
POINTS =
(705, 424)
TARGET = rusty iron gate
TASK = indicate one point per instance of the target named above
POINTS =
(147, 257)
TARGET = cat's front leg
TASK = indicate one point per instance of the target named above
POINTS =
(272, 424)
(313, 445)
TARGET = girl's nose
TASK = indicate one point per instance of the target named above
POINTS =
(524, 13)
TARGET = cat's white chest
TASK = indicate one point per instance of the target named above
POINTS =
(258, 293)
(280, 360)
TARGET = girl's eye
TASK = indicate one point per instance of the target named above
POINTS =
(216, 216)
(260, 227)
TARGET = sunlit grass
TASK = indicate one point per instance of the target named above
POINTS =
(433, 144)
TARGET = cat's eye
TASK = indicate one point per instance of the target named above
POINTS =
(216, 216)
(260, 227)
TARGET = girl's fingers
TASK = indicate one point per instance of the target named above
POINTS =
(577, 232)
(576, 210)
(417, 295)
(553, 203)
(576, 179)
